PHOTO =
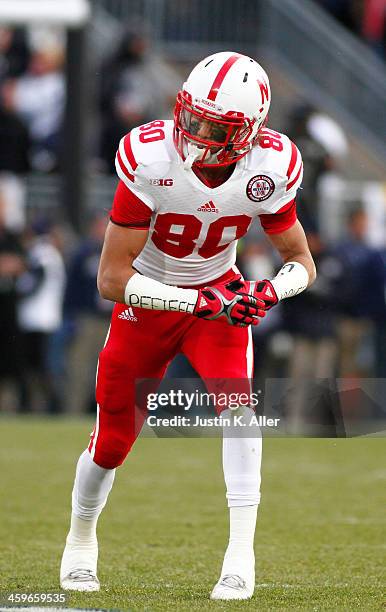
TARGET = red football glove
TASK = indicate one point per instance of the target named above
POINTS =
(220, 301)
(261, 290)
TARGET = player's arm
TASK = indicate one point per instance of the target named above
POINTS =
(287, 236)
(298, 271)
(120, 248)
(296, 274)
(293, 248)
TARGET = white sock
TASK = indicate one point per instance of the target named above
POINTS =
(89, 496)
(241, 465)
(91, 488)
(239, 557)
(242, 460)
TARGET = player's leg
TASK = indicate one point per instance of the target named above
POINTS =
(89, 496)
(129, 353)
(223, 357)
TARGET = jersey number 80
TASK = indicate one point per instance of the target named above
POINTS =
(181, 244)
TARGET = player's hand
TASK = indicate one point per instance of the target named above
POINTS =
(261, 290)
(220, 301)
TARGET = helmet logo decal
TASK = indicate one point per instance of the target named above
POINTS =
(263, 91)
(221, 76)
(260, 188)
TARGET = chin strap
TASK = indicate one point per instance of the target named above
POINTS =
(195, 153)
(189, 161)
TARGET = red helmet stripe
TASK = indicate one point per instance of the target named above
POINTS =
(129, 152)
(294, 157)
(221, 76)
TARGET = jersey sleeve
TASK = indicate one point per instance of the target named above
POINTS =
(280, 221)
(129, 210)
(281, 215)
(132, 205)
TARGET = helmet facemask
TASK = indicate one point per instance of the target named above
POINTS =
(211, 139)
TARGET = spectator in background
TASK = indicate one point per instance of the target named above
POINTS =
(316, 161)
(38, 97)
(323, 145)
(14, 53)
(365, 18)
(12, 266)
(40, 314)
(135, 89)
(312, 320)
(329, 134)
(347, 12)
(361, 298)
(87, 315)
(380, 328)
(14, 162)
(374, 25)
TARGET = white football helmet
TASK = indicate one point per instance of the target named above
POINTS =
(220, 110)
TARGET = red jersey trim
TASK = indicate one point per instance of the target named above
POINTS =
(292, 183)
(281, 221)
(123, 168)
(221, 76)
(293, 160)
(128, 209)
(136, 226)
(129, 152)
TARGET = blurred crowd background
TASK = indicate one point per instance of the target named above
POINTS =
(53, 322)
(365, 18)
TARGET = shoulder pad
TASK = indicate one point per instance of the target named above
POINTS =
(279, 158)
(144, 146)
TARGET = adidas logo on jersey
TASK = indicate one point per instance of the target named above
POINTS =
(208, 207)
(128, 315)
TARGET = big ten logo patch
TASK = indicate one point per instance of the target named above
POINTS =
(161, 182)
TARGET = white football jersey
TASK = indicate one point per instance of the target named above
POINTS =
(194, 228)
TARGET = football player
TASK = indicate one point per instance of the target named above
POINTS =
(188, 190)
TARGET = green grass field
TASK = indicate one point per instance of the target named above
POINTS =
(321, 537)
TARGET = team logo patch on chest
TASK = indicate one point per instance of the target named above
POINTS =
(260, 188)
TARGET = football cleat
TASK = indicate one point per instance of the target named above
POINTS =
(78, 570)
(232, 586)
(80, 580)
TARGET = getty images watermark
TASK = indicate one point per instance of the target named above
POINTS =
(236, 409)
(313, 407)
